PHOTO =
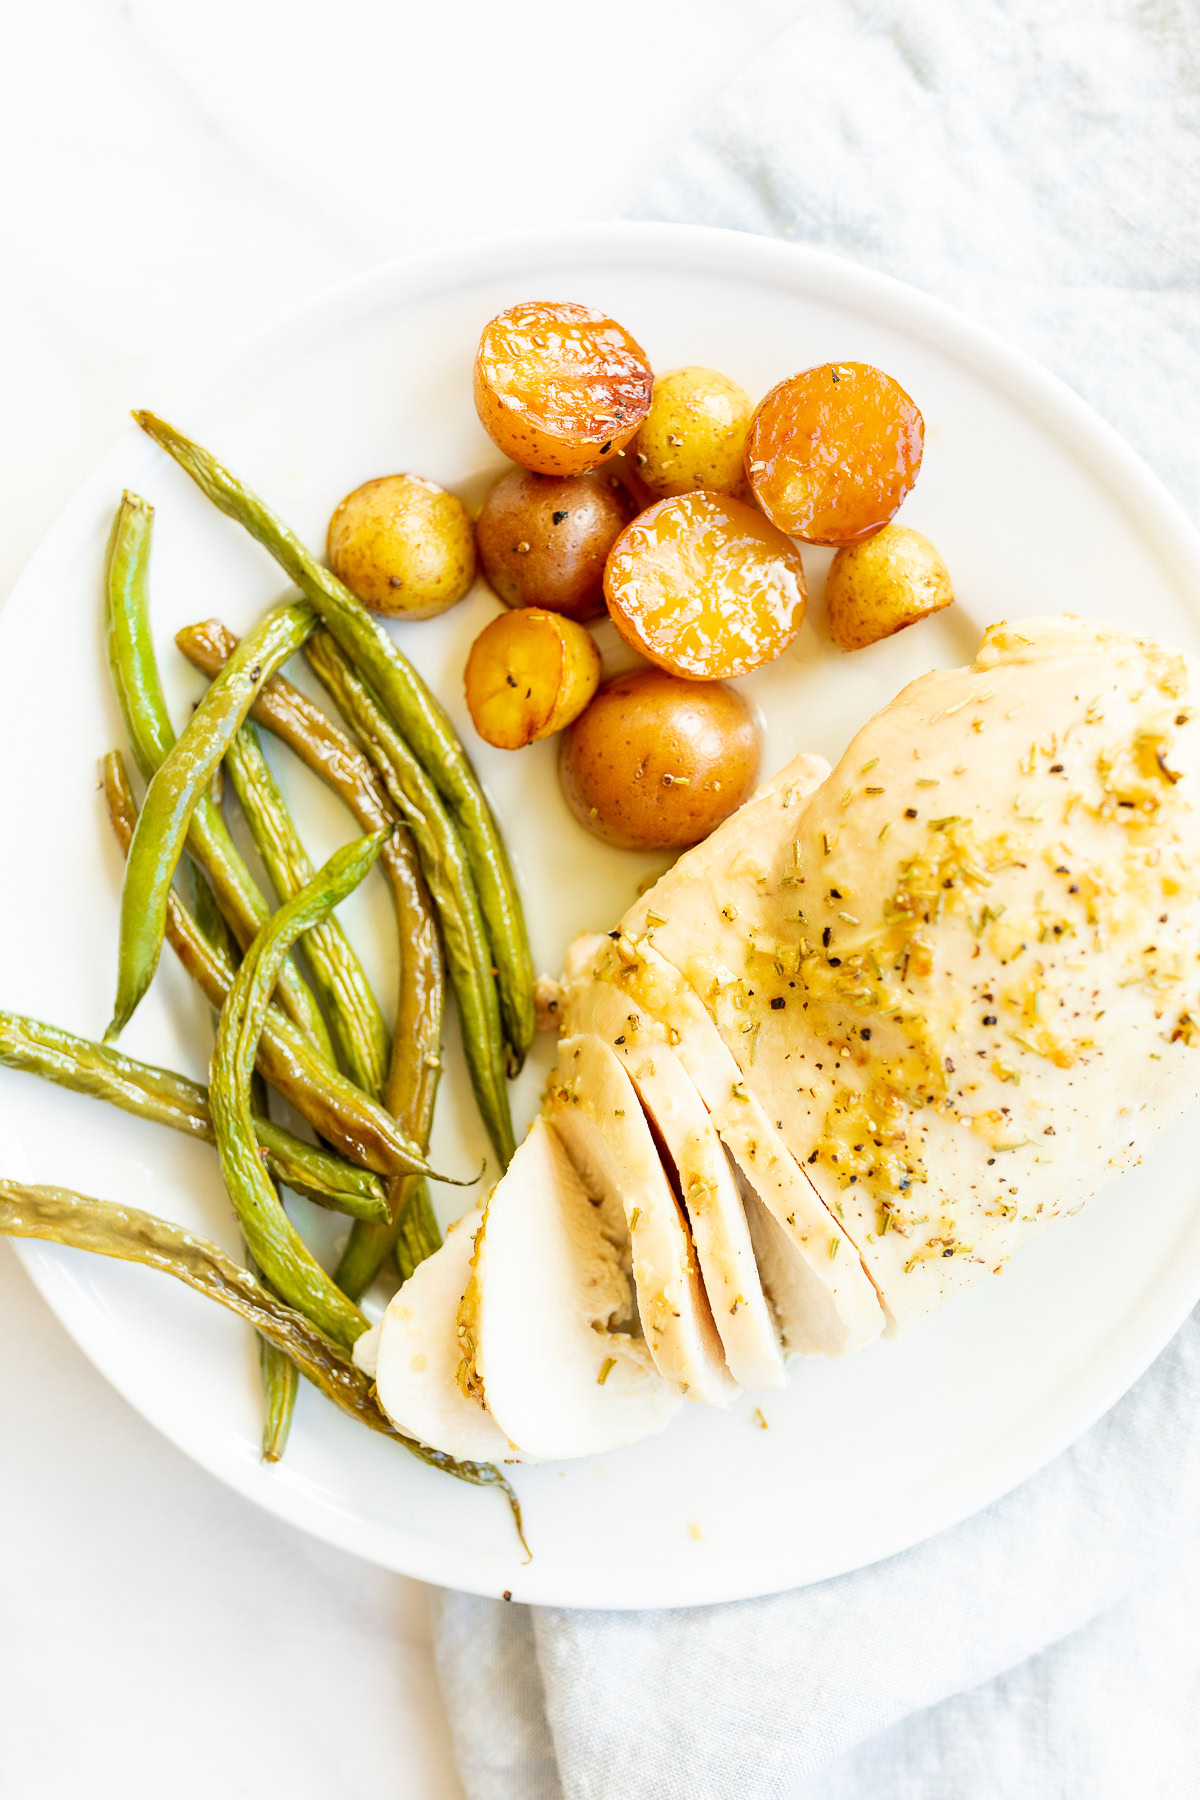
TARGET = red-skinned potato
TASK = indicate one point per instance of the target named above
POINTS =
(543, 539)
(656, 763)
(529, 673)
(560, 388)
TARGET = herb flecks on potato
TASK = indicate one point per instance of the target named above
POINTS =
(560, 388)
(403, 545)
(694, 435)
(876, 588)
(528, 675)
(832, 452)
(655, 763)
(543, 539)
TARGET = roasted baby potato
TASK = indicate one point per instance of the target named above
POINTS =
(705, 587)
(655, 763)
(558, 387)
(876, 588)
(543, 539)
(832, 452)
(529, 674)
(403, 545)
(694, 435)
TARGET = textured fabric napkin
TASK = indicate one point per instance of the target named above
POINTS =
(1038, 164)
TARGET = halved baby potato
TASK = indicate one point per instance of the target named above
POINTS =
(529, 674)
(560, 388)
(705, 587)
(887, 582)
(832, 452)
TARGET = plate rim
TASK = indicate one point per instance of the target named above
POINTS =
(748, 256)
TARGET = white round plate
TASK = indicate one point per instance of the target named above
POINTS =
(1037, 507)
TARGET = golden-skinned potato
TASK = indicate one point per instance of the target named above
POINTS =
(694, 435)
(543, 539)
(558, 387)
(705, 587)
(529, 674)
(655, 763)
(403, 545)
(876, 588)
(832, 452)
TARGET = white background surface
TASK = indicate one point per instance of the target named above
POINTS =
(177, 174)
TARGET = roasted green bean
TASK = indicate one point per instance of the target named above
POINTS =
(333, 1106)
(169, 1099)
(180, 783)
(448, 875)
(356, 1024)
(279, 1379)
(152, 737)
(416, 1044)
(286, 1261)
(58, 1216)
(410, 705)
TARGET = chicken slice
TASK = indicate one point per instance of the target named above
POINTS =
(543, 1312)
(714, 1209)
(962, 976)
(592, 1103)
(414, 1355)
(831, 1306)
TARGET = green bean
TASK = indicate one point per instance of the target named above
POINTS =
(152, 737)
(279, 1380)
(58, 1216)
(448, 876)
(418, 1236)
(181, 782)
(412, 708)
(355, 1021)
(416, 1043)
(165, 1098)
(333, 1106)
(286, 1260)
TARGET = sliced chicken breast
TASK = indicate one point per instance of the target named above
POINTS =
(841, 1310)
(416, 1356)
(714, 1209)
(594, 1107)
(962, 977)
(548, 1310)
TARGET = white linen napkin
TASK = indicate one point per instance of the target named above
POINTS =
(1039, 165)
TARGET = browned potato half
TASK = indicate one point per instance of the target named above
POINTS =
(559, 387)
(656, 763)
(529, 674)
(543, 539)
(694, 435)
(886, 582)
(403, 545)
